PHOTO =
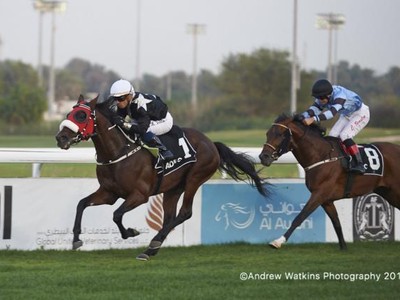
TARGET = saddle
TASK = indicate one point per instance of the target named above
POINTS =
(176, 141)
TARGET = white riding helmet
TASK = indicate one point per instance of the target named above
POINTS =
(120, 88)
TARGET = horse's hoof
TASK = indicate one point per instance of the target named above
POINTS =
(278, 242)
(77, 244)
(130, 232)
(155, 245)
(143, 257)
(274, 245)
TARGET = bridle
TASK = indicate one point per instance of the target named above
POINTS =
(284, 145)
(82, 121)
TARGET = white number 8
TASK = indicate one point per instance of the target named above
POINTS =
(373, 158)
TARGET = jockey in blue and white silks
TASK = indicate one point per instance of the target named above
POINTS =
(353, 115)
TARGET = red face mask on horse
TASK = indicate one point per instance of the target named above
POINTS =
(80, 120)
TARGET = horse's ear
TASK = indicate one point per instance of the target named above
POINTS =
(81, 99)
(298, 117)
(93, 102)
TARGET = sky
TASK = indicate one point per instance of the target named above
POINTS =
(105, 32)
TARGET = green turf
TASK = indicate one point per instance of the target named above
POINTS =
(308, 271)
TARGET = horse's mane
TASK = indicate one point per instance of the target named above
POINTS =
(106, 108)
(315, 128)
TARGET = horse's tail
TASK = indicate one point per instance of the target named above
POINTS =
(238, 165)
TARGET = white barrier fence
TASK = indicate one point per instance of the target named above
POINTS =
(39, 156)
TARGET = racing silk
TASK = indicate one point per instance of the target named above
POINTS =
(143, 109)
(342, 101)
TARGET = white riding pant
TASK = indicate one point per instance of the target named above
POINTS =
(162, 126)
(347, 127)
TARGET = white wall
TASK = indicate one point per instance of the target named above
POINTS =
(43, 212)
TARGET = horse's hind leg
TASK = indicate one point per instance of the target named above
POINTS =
(331, 211)
(170, 202)
(117, 218)
(97, 198)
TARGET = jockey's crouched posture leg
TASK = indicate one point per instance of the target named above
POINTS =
(358, 166)
(151, 140)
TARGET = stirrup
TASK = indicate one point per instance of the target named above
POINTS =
(357, 169)
(166, 155)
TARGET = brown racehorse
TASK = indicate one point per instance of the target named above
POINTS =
(126, 170)
(326, 178)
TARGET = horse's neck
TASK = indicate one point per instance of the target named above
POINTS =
(109, 142)
(309, 149)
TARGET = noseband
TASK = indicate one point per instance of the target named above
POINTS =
(284, 145)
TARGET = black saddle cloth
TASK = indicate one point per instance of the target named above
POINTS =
(176, 141)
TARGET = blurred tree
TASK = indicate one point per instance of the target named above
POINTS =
(256, 84)
(87, 77)
(249, 91)
(21, 101)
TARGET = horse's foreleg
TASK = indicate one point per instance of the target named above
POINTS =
(77, 243)
(331, 211)
(97, 198)
(310, 206)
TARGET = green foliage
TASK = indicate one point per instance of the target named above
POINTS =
(88, 77)
(252, 85)
(249, 89)
(21, 101)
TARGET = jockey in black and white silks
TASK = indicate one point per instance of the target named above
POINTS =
(147, 115)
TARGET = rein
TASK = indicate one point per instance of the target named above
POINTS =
(114, 161)
(133, 151)
(83, 121)
(278, 152)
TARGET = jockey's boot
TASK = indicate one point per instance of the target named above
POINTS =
(154, 141)
(357, 166)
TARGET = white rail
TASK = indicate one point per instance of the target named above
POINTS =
(39, 156)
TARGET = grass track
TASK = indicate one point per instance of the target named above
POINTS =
(202, 272)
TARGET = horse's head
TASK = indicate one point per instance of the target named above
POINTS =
(79, 124)
(285, 134)
(278, 142)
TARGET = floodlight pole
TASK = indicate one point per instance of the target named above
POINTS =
(331, 22)
(294, 83)
(195, 30)
(138, 13)
(44, 6)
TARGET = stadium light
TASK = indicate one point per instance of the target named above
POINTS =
(195, 30)
(331, 22)
(46, 6)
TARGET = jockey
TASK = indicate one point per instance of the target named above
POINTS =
(353, 115)
(148, 114)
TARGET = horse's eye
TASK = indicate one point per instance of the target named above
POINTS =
(80, 116)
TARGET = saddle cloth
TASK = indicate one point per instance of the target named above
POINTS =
(370, 154)
(176, 141)
(372, 158)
